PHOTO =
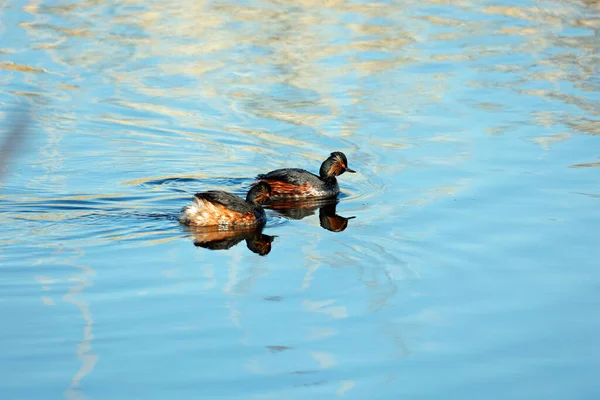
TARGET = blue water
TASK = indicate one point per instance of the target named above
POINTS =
(469, 271)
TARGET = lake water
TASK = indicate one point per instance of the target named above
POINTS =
(471, 269)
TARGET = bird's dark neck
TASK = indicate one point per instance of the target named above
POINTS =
(329, 179)
(253, 203)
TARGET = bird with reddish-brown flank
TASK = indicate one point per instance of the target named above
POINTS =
(289, 183)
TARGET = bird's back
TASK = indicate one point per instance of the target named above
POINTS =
(294, 176)
(298, 183)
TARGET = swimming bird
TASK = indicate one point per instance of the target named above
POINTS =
(289, 183)
(225, 210)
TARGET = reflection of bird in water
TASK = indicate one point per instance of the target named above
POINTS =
(213, 238)
(295, 183)
(300, 209)
(331, 221)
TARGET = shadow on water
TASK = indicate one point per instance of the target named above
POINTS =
(14, 140)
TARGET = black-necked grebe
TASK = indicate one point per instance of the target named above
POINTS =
(217, 208)
(297, 183)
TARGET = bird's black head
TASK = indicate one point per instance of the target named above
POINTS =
(335, 165)
(259, 194)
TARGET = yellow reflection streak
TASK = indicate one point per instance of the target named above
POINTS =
(84, 348)
(81, 280)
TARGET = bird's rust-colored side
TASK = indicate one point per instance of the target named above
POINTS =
(205, 213)
(286, 189)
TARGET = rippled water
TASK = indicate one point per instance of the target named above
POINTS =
(470, 269)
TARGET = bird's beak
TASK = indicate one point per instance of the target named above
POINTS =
(350, 170)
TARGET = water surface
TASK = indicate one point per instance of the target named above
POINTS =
(469, 271)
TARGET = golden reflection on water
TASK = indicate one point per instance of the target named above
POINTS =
(21, 68)
(84, 348)
(586, 165)
(81, 280)
(546, 142)
(195, 40)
